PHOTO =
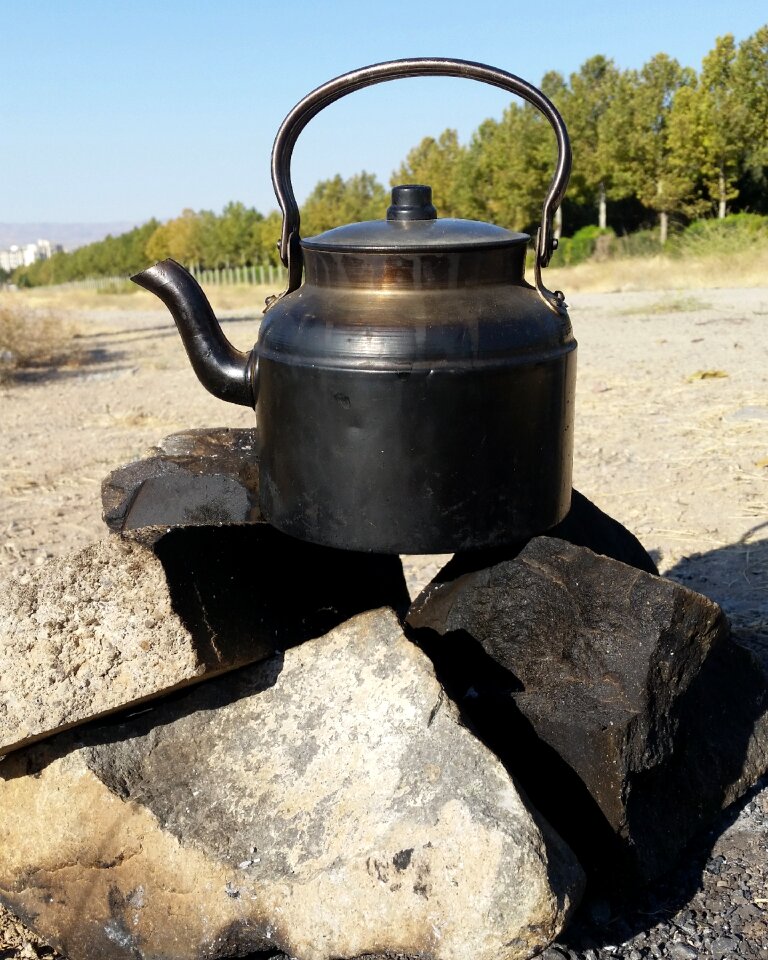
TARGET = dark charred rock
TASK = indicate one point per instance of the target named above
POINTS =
(617, 698)
(256, 578)
(195, 478)
(585, 526)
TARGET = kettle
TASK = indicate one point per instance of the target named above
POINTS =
(414, 392)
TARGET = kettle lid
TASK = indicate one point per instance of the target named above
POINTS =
(412, 223)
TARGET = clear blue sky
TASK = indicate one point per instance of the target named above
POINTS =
(125, 110)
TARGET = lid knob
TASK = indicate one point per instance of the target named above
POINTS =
(412, 201)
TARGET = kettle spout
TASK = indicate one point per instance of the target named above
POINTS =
(224, 371)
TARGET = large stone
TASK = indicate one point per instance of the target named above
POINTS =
(585, 525)
(327, 802)
(198, 477)
(118, 624)
(616, 697)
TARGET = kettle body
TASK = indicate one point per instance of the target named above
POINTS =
(414, 393)
(415, 399)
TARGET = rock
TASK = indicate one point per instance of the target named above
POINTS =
(617, 698)
(725, 946)
(199, 477)
(585, 526)
(327, 802)
(681, 951)
(118, 624)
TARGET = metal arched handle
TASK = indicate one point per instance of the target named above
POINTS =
(313, 103)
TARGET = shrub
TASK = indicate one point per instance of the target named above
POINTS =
(642, 243)
(118, 287)
(733, 234)
(33, 340)
(584, 244)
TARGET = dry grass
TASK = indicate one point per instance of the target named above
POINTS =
(727, 270)
(237, 297)
(683, 304)
(662, 273)
(34, 339)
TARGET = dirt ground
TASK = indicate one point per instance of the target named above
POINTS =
(671, 435)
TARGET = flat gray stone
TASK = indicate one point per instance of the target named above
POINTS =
(194, 478)
(617, 697)
(327, 802)
(119, 624)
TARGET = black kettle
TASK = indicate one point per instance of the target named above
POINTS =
(414, 393)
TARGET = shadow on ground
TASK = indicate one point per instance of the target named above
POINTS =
(107, 354)
(736, 577)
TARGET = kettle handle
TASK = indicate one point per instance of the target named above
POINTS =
(314, 102)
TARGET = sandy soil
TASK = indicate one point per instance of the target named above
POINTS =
(671, 434)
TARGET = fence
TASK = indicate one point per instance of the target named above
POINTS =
(256, 275)
(263, 274)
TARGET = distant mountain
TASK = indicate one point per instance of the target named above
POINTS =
(70, 235)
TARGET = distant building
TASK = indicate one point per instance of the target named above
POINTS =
(16, 256)
(11, 258)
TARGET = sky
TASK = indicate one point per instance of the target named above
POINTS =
(121, 111)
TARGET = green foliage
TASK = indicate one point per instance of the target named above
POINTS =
(442, 164)
(266, 237)
(179, 239)
(337, 201)
(641, 243)
(113, 256)
(583, 245)
(735, 233)
(510, 165)
(638, 143)
(584, 105)
(707, 129)
(231, 239)
(750, 76)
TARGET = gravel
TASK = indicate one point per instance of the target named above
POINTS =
(714, 905)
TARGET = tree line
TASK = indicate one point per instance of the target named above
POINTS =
(661, 145)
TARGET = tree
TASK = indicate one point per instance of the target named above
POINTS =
(725, 123)
(234, 234)
(337, 201)
(635, 138)
(181, 239)
(707, 128)
(585, 103)
(114, 256)
(441, 164)
(544, 146)
(266, 238)
(688, 146)
(509, 168)
(750, 77)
